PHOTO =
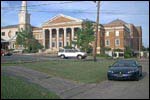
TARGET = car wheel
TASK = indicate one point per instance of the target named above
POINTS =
(79, 57)
(62, 56)
(141, 75)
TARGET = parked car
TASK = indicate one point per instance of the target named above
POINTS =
(5, 52)
(69, 53)
(125, 69)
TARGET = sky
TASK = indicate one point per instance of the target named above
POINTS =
(135, 12)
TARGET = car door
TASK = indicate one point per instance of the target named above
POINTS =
(68, 53)
(72, 53)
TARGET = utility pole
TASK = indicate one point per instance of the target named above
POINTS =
(139, 48)
(97, 24)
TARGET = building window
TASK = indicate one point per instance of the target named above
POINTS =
(60, 44)
(107, 42)
(60, 35)
(117, 42)
(117, 33)
(53, 44)
(3, 33)
(107, 33)
(68, 34)
(53, 35)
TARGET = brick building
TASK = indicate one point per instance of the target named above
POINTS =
(119, 34)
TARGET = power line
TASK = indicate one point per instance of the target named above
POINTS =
(109, 12)
(81, 11)
(91, 12)
(39, 4)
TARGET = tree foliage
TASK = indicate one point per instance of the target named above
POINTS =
(106, 49)
(85, 36)
(118, 50)
(128, 52)
(26, 38)
(145, 48)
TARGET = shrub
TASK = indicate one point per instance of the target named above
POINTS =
(68, 47)
(25, 51)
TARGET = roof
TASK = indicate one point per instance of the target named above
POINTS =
(116, 22)
(10, 26)
(69, 18)
(15, 26)
(138, 27)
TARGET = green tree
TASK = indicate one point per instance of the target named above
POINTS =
(22, 38)
(85, 36)
(128, 52)
(145, 48)
(26, 38)
(106, 49)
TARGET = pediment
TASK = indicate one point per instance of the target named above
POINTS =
(62, 19)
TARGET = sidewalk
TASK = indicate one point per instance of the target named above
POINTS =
(62, 87)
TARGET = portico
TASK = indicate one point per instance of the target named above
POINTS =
(60, 33)
(55, 38)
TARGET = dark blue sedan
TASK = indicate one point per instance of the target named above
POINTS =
(125, 70)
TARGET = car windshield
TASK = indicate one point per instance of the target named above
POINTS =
(125, 64)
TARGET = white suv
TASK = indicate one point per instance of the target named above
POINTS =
(66, 53)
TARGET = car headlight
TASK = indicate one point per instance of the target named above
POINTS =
(131, 71)
(110, 71)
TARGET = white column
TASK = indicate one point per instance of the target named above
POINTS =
(57, 33)
(72, 33)
(50, 37)
(64, 36)
(43, 37)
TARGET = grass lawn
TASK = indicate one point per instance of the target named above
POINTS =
(16, 88)
(80, 71)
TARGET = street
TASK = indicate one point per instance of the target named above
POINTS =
(33, 58)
